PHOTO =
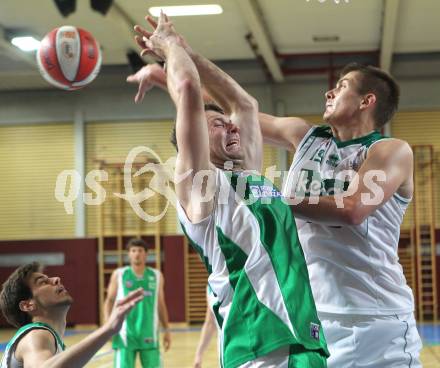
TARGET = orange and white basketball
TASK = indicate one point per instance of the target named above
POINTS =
(69, 57)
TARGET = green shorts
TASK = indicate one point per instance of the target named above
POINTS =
(126, 358)
(303, 358)
(291, 356)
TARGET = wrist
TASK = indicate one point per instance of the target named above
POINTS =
(107, 330)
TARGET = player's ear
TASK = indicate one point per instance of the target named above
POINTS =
(368, 100)
(27, 305)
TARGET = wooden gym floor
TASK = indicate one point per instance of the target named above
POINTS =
(184, 342)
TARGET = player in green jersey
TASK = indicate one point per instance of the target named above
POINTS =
(38, 304)
(140, 331)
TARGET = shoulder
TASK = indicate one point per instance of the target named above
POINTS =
(391, 148)
(117, 272)
(36, 339)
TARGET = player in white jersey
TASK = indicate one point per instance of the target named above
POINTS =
(350, 234)
(38, 306)
(246, 236)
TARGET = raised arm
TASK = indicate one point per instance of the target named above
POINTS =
(286, 132)
(184, 87)
(238, 104)
(231, 97)
(37, 348)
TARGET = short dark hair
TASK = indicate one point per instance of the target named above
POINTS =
(208, 107)
(136, 242)
(16, 289)
(382, 85)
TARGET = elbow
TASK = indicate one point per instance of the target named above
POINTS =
(247, 103)
(188, 86)
(352, 214)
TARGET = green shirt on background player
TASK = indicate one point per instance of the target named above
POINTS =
(140, 331)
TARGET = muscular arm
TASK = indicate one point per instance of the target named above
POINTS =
(387, 169)
(184, 87)
(283, 132)
(111, 295)
(37, 348)
(286, 132)
(236, 102)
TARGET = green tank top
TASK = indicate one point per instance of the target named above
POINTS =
(257, 270)
(140, 328)
(9, 361)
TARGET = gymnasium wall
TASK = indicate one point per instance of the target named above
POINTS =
(73, 260)
(31, 156)
(421, 128)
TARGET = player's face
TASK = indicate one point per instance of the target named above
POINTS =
(48, 291)
(137, 256)
(224, 137)
(343, 102)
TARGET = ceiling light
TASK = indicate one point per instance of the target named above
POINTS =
(176, 11)
(326, 38)
(26, 43)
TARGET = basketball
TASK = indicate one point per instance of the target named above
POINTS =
(69, 58)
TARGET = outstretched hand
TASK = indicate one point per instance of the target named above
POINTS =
(121, 309)
(149, 76)
(156, 42)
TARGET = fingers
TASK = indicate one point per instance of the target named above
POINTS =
(139, 97)
(166, 346)
(132, 78)
(133, 296)
(139, 40)
(142, 31)
(162, 17)
(151, 20)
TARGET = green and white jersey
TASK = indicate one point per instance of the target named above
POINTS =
(9, 360)
(353, 269)
(141, 326)
(256, 270)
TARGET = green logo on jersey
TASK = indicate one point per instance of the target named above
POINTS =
(319, 155)
(333, 160)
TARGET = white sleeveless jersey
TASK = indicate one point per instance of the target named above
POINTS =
(257, 271)
(353, 269)
(10, 361)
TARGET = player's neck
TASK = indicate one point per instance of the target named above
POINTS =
(56, 320)
(230, 165)
(344, 132)
(138, 269)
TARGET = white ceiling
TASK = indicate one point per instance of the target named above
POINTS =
(277, 26)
